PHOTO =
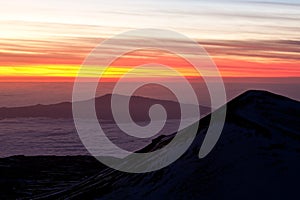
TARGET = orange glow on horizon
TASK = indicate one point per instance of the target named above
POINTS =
(228, 66)
(59, 69)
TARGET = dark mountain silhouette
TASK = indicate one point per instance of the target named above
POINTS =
(256, 157)
(139, 107)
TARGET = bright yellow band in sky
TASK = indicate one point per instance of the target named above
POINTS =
(72, 71)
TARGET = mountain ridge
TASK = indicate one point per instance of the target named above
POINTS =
(64, 109)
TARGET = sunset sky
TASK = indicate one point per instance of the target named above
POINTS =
(48, 40)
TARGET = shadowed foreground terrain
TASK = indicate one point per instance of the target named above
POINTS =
(256, 157)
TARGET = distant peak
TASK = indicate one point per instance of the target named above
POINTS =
(252, 100)
(261, 94)
(257, 93)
